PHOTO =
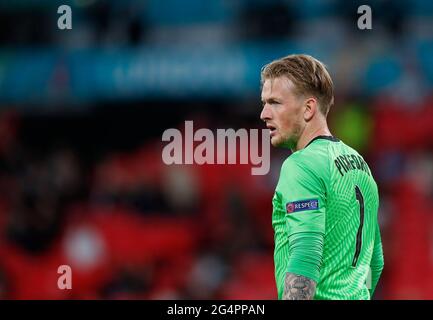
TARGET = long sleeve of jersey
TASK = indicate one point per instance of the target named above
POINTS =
(305, 222)
(305, 250)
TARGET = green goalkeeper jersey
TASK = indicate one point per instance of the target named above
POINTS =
(325, 221)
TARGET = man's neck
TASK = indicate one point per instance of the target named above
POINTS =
(306, 137)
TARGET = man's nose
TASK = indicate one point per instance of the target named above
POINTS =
(265, 114)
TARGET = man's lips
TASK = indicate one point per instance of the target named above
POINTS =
(272, 129)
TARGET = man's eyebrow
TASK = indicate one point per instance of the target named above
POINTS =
(271, 100)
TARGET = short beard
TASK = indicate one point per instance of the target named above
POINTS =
(292, 141)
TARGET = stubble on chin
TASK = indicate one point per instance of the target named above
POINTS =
(290, 141)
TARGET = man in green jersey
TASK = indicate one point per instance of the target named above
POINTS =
(327, 238)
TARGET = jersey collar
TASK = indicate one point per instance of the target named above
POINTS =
(330, 138)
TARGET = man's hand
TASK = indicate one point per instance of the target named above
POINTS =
(298, 287)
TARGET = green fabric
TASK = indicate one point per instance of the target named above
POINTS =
(377, 261)
(305, 250)
(327, 173)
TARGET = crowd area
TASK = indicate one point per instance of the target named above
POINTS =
(131, 226)
(128, 225)
(82, 112)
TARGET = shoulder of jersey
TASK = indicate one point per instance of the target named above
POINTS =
(312, 157)
(313, 152)
(309, 156)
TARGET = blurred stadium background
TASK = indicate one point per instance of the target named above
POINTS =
(82, 114)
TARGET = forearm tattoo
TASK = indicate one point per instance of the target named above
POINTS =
(298, 287)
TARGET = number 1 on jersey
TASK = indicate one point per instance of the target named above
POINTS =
(360, 199)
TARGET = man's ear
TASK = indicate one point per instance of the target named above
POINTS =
(310, 108)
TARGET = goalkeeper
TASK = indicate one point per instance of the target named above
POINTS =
(327, 237)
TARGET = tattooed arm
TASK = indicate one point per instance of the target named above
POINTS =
(297, 287)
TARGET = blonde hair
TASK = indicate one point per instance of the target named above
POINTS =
(308, 74)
